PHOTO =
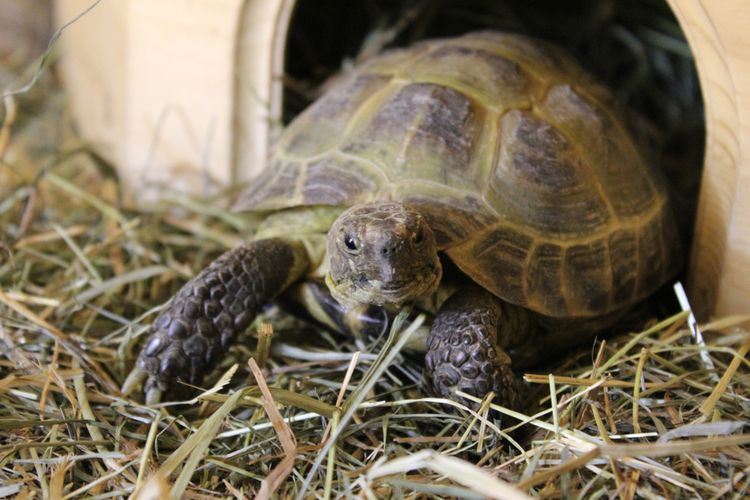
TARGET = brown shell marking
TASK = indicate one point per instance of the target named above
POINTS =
(331, 179)
(452, 217)
(540, 180)
(540, 60)
(614, 164)
(515, 156)
(328, 117)
(484, 76)
(580, 278)
(419, 130)
(306, 168)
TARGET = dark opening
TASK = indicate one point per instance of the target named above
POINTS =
(635, 46)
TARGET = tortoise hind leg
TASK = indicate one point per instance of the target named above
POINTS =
(467, 346)
(313, 299)
(190, 336)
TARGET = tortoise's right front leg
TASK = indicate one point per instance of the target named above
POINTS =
(191, 335)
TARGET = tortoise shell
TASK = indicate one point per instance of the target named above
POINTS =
(517, 158)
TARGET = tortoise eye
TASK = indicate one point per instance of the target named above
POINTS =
(351, 243)
(419, 236)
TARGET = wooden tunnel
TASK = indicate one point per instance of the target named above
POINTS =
(211, 118)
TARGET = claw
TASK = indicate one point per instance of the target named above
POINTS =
(153, 395)
(134, 380)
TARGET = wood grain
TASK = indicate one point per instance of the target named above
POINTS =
(184, 91)
(151, 84)
(719, 273)
(258, 87)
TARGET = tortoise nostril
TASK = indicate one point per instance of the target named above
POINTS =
(389, 248)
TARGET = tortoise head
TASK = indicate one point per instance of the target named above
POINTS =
(381, 253)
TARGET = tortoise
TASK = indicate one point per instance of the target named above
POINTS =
(494, 154)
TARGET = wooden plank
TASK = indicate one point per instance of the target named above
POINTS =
(152, 87)
(260, 67)
(178, 92)
(94, 62)
(181, 91)
(180, 82)
(719, 277)
(731, 19)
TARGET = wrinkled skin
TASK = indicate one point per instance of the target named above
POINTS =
(380, 254)
(530, 185)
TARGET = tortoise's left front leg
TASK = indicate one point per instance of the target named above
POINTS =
(191, 335)
(467, 346)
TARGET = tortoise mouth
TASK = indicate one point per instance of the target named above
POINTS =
(382, 293)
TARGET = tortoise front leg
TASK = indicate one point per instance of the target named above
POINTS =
(191, 335)
(467, 347)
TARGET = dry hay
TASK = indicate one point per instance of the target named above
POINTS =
(79, 273)
(652, 414)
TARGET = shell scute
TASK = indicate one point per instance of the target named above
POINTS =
(586, 277)
(520, 162)
(488, 77)
(327, 118)
(650, 255)
(335, 181)
(420, 130)
(540, 180)
(544, 278)
(623, 253)
(274, 188)
(604, 146)
(468, 212)
(496, 259)
(544, 60)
